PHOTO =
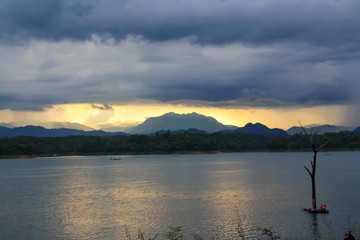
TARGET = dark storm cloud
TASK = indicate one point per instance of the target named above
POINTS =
(19, 102)
(321, 22)
(260, 93)
(245, 53)
(45, 73)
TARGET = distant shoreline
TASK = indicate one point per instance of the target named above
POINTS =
(173, 153)
(182, 143)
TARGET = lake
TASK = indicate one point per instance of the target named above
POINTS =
(93, 197)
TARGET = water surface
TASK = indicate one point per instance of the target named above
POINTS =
(95, 198)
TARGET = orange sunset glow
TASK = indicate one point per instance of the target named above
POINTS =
(98, 117)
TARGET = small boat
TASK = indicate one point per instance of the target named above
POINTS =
(115, 157)
(316, 210)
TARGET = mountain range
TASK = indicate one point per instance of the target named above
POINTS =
(319, 129)
(52, 125)
(176, 123)
(38, 131)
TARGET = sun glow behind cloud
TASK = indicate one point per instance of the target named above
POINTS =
(237, 61)
(99, 116)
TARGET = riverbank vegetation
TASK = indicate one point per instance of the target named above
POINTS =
(176, 233)
(168, 143)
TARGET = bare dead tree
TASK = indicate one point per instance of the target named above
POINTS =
(312, 173)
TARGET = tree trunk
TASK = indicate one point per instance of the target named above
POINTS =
(313, 180)
(312, 173)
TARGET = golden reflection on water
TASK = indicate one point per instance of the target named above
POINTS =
(90, 208)
(98, 202)
(231, 203)
(80, 209)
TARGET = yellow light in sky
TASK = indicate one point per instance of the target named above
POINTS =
(99, 116)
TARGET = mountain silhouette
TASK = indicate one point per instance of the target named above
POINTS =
(38, 131)
(319, 129)
(173, 121)
(258, 128)
(198, 124)
(357, 130)
(192, 123)
(51, 125)
(68, 125)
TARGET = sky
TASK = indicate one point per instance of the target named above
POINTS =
(114, 63)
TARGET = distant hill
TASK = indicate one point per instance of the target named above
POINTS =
(69, 125)
(173, 121)
(8, 125)
(320, 129)
(357, 130)
(259, 128)
(38, 131)
(51, 125)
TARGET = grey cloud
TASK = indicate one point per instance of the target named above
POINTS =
(276, 78)
(253, 53)
(34, 19)
(264, 93)
(18, 102)
(330, 23)
(101, 106)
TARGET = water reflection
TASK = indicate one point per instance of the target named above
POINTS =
(94, 198)
(99, 202)
(314, 227)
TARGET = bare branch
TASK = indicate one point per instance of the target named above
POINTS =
(322, 146)
(309, 136)
(303, 129)
(308, 170)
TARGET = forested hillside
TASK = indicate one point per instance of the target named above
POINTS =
(170, 143)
